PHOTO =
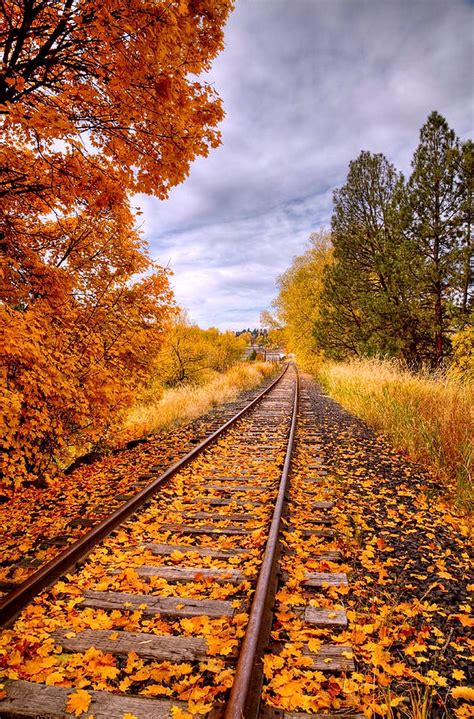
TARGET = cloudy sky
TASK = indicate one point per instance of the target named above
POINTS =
(306, 85)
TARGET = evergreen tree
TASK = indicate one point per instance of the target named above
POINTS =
(435, 204)
(368, 302)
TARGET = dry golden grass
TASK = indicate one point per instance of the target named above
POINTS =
(430, 418)
(174, 407)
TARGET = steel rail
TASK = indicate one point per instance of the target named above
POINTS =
(244, 698)
(16, 600)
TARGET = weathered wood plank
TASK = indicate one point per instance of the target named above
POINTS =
(329, 533)
(26, 564)
(225, 501)
(149, 646)
(240, 488)
(81, 522)
(164, 549)
(30, 699)
(330, 555)
(325, 617)
(332, 658)
(188, 574)
(321, 519)
(204, 529)
(6, 586)
(233, 478)
(53, 541)
(234, 517)
(320, 579)
(323, 505)
(151, 605)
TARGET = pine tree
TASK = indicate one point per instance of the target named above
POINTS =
(435, 204)
(368, 298)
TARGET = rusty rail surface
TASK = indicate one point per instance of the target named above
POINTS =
(244, 699)
(64, 562)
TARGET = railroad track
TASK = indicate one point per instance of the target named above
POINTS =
(92, 489)
(166, 607)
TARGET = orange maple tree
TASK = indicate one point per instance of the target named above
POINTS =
(97, 101)
(119, 77)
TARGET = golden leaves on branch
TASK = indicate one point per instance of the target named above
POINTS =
(96, 102)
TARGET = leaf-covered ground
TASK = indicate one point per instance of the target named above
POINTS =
(406, 553)
(31, 651)
(91, 492)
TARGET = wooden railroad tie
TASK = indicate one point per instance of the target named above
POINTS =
(166, 549)
(152, 605)
(33, 699)
(188, 574)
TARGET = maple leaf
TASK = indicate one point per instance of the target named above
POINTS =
(463, 693)
(437, 678)
(78, 703)
(466, 620)
(155, 690)
(217, 645)
(54, 678)
(178, 713)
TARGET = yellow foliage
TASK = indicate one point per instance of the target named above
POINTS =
(183, 404)
(297, 303)
(462, 364)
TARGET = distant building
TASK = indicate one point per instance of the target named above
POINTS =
(276, 355)
(251, 349)
(262, 354)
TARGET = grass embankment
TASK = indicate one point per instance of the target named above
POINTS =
(429, 418)
(182, 404)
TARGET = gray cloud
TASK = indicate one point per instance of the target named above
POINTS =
(306, 86)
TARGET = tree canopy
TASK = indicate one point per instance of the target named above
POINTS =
(97, 101)
(400, 280)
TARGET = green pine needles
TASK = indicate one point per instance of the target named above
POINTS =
(401, 281)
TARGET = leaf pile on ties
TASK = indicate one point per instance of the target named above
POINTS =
(30, 652)
(91, 492)
(405, 551)
(403, 547)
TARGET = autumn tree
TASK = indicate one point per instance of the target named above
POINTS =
(225, 349)
(78, 337)
(246, 336)
(399, 281)
(96, 101)
(116, 78)
(276, 337)
(190, 354)
(298, 303)
(435, 204)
